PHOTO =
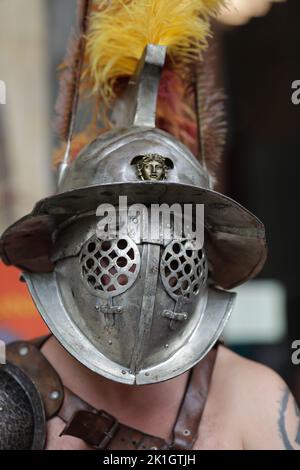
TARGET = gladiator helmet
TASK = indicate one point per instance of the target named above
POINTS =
(135, 304)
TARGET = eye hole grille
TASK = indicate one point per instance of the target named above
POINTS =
(109, 267)
(183, 269)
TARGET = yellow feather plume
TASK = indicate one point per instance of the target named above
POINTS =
(120, 30)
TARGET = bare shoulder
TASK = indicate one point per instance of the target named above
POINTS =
(260, 401)
(245, 372)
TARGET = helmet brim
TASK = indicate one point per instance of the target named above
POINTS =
(234, 240)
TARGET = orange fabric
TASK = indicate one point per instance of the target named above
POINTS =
(19, 317)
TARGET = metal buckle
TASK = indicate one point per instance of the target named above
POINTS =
(110, 434)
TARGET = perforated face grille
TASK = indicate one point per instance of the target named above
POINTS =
(183, 269)
(109, 267)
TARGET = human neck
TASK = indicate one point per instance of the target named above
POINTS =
(118, 399)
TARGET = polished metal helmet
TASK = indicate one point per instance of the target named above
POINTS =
(131, 307)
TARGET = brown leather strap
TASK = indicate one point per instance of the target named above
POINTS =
(101, 430)
(28, 357)
(40, 341)
(186, 428)
(71, 404)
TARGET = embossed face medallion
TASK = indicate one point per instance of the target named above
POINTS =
(152, 167)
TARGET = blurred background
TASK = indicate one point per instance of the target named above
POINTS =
(258, 60)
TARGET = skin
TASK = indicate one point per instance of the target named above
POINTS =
(248, 407)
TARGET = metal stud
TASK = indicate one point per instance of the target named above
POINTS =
(187, 432)
(23, 351)
(54, 395)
